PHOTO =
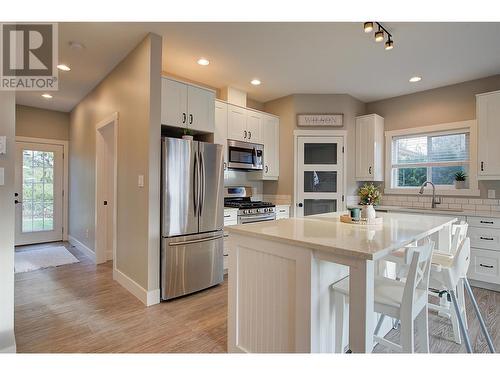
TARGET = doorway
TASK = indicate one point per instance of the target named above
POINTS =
(319, 174)
(39, 192)
(106, 189)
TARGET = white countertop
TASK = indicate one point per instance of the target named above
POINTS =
(437, 211)
(326, 233)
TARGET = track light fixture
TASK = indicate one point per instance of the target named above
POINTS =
(380, 34)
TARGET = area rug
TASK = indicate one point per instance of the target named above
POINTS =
(31, 260)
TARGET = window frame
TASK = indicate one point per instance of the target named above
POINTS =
(439, 129)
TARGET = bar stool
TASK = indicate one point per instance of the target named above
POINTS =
(406, 301)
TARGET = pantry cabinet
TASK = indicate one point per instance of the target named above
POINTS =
(187, 106)
(488, 119)
(369, 148)
(271, 141)
(220, 133)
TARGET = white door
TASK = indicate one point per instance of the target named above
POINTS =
(270, 131)
(201, 109)
(220, 133)
(174, 103)
(254, 127)
(237, 123)
(39, 193)
(319, 175)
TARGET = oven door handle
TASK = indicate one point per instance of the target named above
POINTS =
(255, 218)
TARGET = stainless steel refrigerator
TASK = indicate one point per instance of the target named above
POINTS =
(192, 216)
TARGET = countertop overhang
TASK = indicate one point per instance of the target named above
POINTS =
(326, 233)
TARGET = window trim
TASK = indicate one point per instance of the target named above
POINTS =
(445, 128)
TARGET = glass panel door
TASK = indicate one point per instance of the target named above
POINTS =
(39, 175)
(319, 175)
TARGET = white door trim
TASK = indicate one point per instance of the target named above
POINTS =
(65, 145)
(318, 133)
(100, 254)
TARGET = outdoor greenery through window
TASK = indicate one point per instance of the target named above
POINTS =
(432, 157)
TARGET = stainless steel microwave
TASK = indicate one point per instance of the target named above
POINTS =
(245, 155)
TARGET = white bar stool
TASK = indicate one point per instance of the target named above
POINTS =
(406, 301)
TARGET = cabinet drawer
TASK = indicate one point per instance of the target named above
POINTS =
(485, 238)
(486, 222)
(484, 266)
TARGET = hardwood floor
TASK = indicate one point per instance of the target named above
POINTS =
(79, 308)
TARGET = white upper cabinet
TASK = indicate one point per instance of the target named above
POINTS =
(254, 126)
(237, 123)
(184, 105)
(488, 119)
(271, 137)
(370, 148)
(220, 134)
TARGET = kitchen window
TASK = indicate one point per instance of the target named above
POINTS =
(433, 154)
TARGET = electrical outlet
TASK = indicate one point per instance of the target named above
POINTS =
(491, 194)
(140, 181)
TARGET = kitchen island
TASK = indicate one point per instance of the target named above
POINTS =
(280, 273)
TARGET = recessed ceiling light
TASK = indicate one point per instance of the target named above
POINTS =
(63, 67)
(255, 82)
(203, 61)
(415, 79)
(47, 96)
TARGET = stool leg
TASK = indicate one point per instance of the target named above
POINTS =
(422, 323)
(455, 325)
(460, 321)
(339, 302)
(461, 300)
(407, 335)
(479, 316)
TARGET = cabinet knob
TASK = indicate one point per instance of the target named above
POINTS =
(267, 169)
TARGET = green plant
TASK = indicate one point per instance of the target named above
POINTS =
(460, 176)
(188, 131)
(369, 194)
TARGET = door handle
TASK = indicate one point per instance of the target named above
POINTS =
(487, 238)
(267, 169)
(202, 183)
(300, 205)
(485, 265)
(195, 241)
(17, 202)
(184, 118)
(486, 222)
(16, 194)
(482, 166)
(370, 170)
(190, 119)
(195, 184)
(245, 134)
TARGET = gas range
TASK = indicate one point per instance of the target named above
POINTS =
(248, 211)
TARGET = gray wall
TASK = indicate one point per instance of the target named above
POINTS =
(440, 105)
(133, 89)
(7, 128)
(41, 123)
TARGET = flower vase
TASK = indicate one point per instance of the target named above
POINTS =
(368, 212)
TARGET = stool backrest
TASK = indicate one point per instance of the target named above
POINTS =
(459, 232)
(461, 261)
(418, 273)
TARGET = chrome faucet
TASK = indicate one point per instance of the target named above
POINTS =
(434, 200)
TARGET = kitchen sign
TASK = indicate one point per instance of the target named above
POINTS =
(326, 119)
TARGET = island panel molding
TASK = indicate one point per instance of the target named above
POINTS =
(320, 119)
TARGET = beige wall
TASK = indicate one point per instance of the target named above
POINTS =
(41, 123)
(288, 108)
(440, 105)
(133, 89)
(7, 128)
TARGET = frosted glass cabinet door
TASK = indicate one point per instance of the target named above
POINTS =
(319, 175)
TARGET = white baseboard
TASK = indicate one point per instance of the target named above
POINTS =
(148, 298)
(7, 342)
(109, 254)
(80, 246)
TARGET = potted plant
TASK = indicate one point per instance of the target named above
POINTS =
(369, 195)
(188, 134)
(460, 178)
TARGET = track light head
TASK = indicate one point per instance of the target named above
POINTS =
(379, 36)
(368, 26)
(389, 44)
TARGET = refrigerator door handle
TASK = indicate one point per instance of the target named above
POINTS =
(202, 183)
(195, 241)
(195, 184)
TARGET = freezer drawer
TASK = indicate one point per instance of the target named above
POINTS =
(191, 263)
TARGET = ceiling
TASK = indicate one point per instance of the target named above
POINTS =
(288, 58)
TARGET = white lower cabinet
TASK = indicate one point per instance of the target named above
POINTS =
(282, 211)
(230, 218)
(484, 266)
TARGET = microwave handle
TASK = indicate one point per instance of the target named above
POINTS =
(254, 156)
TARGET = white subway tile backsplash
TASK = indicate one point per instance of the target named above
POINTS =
(490, 202)
(455, 206)
(448, 200)
(469, 207)
(483, 207)
(442, 205)
(472, 204)
(418, 204)
(461, 200)
(495, 208)
(405, 204)
(412, 199)
(475, 201)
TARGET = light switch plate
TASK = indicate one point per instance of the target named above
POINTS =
(3, 144)
(2, 179)
(140, 181)
(491, 194)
